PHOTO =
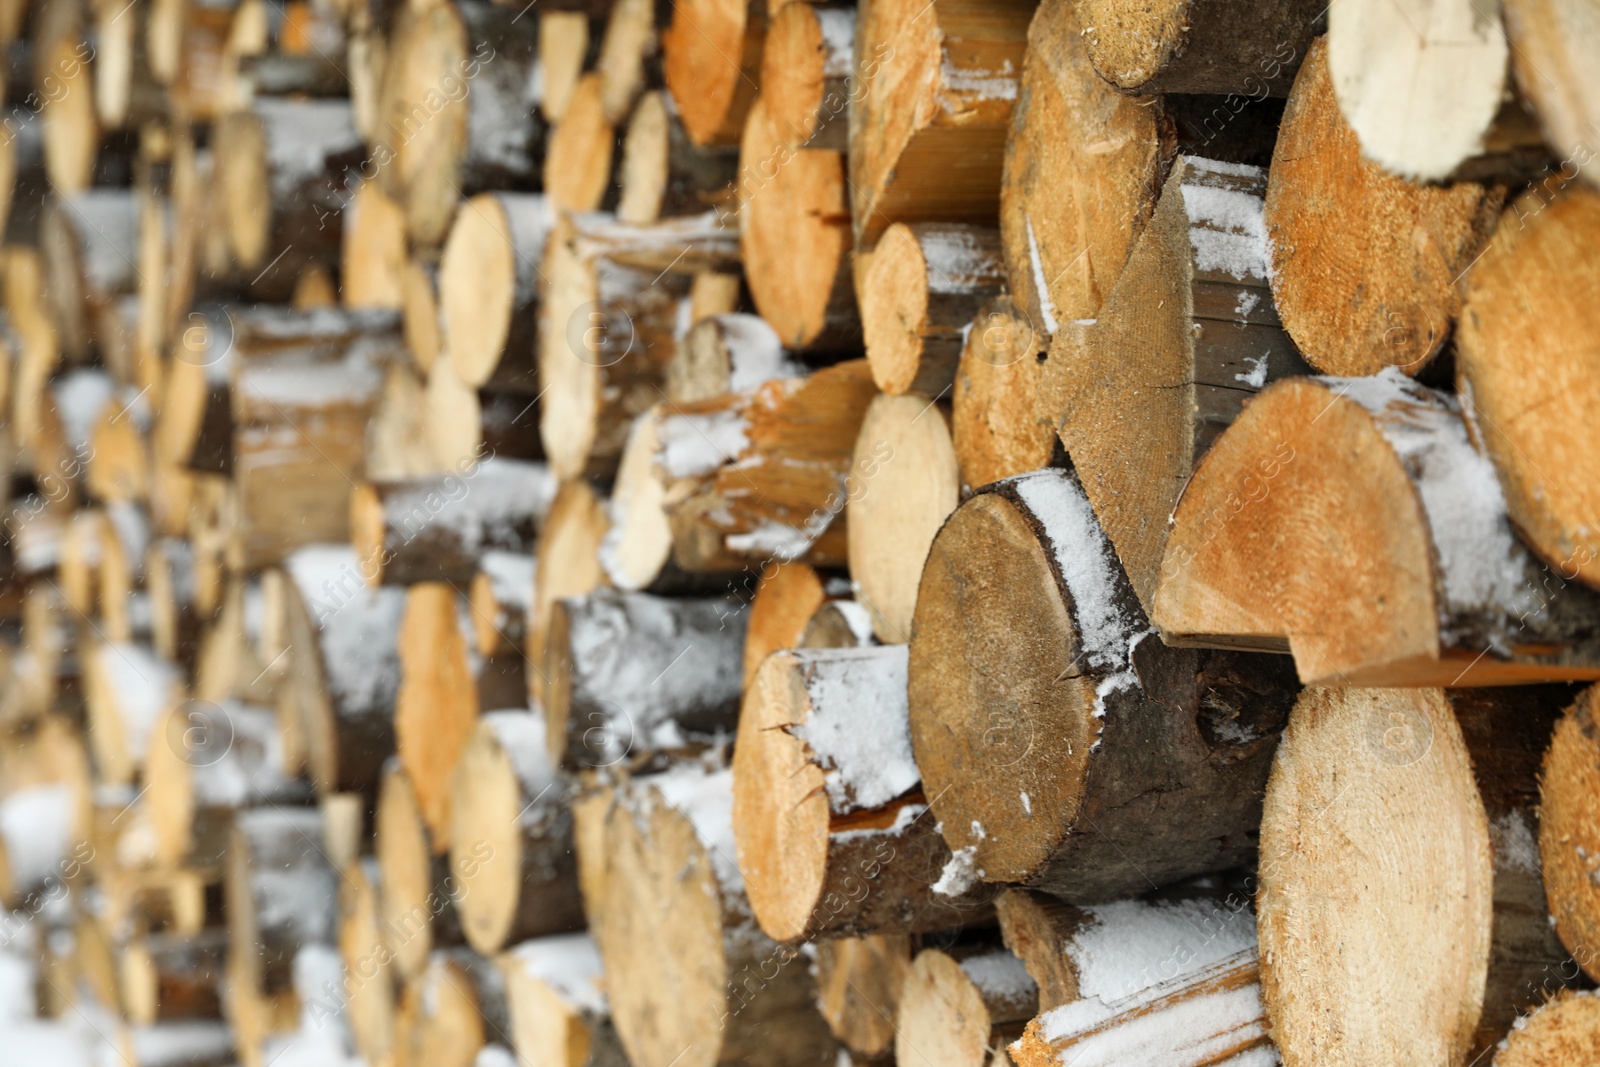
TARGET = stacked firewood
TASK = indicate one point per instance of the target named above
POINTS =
(785, 533)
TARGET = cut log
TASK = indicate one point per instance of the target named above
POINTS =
(806, 66)
(766, 475)
(372, 260)
(1392, 815)
(1377, 470)
(344, 658)
(1562, 1033)
(1128, 764)
(125, 690)
(794, 232)
(1569, 786)
(89, 243)
(171, 976)
(907, 484)
(925, 284)
(369, 976)
(511, 842)
(1215, 48)
(711, 56)
(630, 56)
(636, 551)
(206, 762)
(1213, 1016)
(960, 1010)
(997, 426)
(1549, 42)
(787, 595)
(1526, 378)
(834, 834)
(281, 894)
(502, 599)
(458, 110)
(487, 288)
(565, 40)
(928, 124)
(399, 446)
(663, 173)
(436, 529)
(1364, 265)
(456, 1007)
(1180, 344)
(555, 995)
(436, 706)
(420, 312)
(729, 353)
(583, 147)
(299, 440)
(1435, 103)
(281, 168)
(417, 902)
(689, 976)
(859, 980)
(568, 565)
(70, 127)
(608, 318)
(626, 674)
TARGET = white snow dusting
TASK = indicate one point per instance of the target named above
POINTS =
(693, 446)
(570, 965)
(859, 726)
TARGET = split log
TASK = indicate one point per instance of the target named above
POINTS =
(281, 894)
(794, 233)
(417, 899)
(1562, 1033)
(1128, 763)
(206, 762)
(457, 110)
(125, 690)
(125, 89)
(859, 980)
(726, 353)
(89, 243)
(928, 126)
(1520, 297)
(341, 689)
(487, 289)
(369, 986)
(567, 564)
(581, 152)
(436, 529)
(1549, 40)
(908, 484)
(171, 976)
(663, 174)
(1181, 343)
(511, 842)
(833, 830)
(1364, 265)
(1380, 470)
(689, 975)
(436, 706)
(608, 319)
(372, 258)
(806, 67)
(555, 997)
(675, 674)
(457, 1005)
(997, 426)
(1212, 49)
(1213, 1016)
(502, 599)
(1569, 785)
(711, 57)
(281, 169)
(766, 475)
(960, 1010)
(1431, 103)
(1391, 815)
(926, 283)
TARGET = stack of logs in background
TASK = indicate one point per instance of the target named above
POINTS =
(751, 532)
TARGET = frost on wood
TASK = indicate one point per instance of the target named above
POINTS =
(569, 964)
(1225, 225)
(357, 625)
(693, 446)
(301, 135)
(36, 831)
(1131, 945)
(859, 726)
(142, 684)
(704, 796)
(485, 506)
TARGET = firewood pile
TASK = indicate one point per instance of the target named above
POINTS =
(937, 532)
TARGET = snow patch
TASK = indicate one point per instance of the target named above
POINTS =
(859, 727)
(961, 872)
(693, 446)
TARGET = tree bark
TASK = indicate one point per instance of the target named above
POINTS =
(164, 977)
(1214, 47)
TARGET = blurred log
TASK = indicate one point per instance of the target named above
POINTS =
(997, 426)
(417, 909)
(958, 1005)
(555, 996)
(711, 56)
(663, 174)
(171, 976)
(859, 980)
(487, 288)
(281, 894)
(806, 65)
(436, 706)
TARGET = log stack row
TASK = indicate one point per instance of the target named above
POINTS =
(786, 533)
